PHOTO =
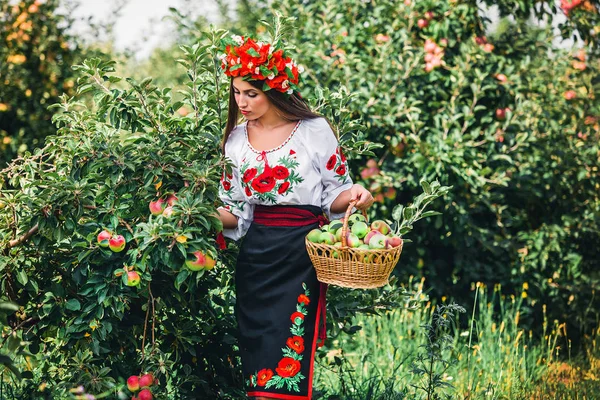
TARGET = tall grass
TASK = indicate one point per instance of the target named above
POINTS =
(494, 356)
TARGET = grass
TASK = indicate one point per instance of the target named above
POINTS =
(492, 357)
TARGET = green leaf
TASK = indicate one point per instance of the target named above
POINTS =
(181, 277)
(426, 187)
(397, 213)
(22, 277)
(73, 305)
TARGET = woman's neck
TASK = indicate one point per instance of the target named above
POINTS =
(270, 121)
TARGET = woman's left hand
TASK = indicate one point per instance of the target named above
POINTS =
(364, 198)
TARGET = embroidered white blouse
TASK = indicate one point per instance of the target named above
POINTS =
(308, 168)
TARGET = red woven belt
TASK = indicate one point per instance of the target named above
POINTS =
(286, 216)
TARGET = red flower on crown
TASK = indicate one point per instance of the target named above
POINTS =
(255, 60)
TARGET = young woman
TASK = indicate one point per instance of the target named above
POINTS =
(289, 175)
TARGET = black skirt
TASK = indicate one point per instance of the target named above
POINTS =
(280, 307)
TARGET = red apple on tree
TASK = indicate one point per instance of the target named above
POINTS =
(133, 279)
(156, 207)
(570, 95)
(103, 238)
(210, 262)
(171, 199)
(501, 114)
(168, 211)
(145, 394)
(147, 380)
(133, 383)
(117, 243)
(422, 23)
(197, 261)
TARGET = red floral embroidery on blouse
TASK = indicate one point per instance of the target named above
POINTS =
(280, 172)
(249, 174)
(303, 299)
(263, 376)
(296, 343)
(297, 315)
(248, 192)
(331, 162)
(341, 170)
(342, 156)
(221, 241)
(263, 183)
(226, 185)
(283, 187)
(288, 367)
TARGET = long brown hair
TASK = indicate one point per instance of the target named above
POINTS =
(292, 107)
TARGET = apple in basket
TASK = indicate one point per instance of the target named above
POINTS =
(381, 226)
(338, 235)
(356, 218)
(334, 226)
(353, 240)
(378, 241)
(360, 229)
(314, 236)
(327, 238)
(393, 241)
(369, 235)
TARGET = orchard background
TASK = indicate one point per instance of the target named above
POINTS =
(418, 91)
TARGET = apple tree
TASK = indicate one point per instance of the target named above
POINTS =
(79, 306)
(504, 117)
(36, 55)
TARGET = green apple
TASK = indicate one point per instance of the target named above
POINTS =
(334, 226)
(338, 235)
(360, 229)
(327, 238)
(356, 218)
(353, 240)
(314, 236)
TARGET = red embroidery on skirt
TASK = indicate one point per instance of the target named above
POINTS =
(288, 369)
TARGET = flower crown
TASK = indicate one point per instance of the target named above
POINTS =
(254, 60)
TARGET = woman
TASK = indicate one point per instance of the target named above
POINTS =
(288, 171)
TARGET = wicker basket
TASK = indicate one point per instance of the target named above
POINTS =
(352, 267)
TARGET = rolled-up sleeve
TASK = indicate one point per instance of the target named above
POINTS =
(333, 166)
(234, 201)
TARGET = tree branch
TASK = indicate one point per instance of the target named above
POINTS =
(22, 239)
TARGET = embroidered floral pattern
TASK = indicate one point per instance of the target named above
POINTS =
(287, 373)
(226, 190)
(266, 182)
(337, 164)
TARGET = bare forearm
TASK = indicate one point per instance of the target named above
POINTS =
(357, 193)
(340, 204)
(229, 220)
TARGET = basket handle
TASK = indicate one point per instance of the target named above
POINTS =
(345, 226)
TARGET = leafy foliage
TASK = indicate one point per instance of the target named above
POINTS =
(37, 54)
(510, 122)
